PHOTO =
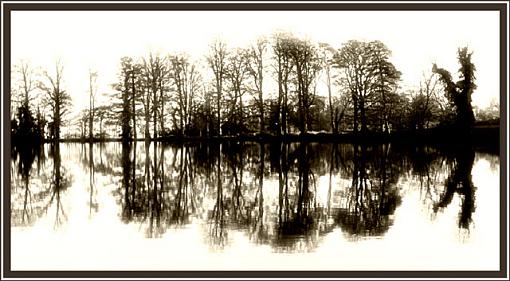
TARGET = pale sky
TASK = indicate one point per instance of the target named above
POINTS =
(97, 40)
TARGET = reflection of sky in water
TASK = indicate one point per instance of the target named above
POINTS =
(93, 236)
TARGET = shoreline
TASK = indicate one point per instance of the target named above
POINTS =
(485, 136)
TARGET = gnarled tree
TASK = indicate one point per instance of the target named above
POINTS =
(459, 93)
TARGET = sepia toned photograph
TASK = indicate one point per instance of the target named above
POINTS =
(246, 138)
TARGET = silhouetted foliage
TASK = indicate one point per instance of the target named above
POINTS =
(371, 80)
(459, 93)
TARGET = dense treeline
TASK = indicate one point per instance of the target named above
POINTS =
(272, 87)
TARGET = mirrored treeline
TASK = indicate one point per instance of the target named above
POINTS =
(285, 195)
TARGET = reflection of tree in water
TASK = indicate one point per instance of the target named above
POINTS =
(367, 205)
(39, 198)
(240, 202)
(300, 219)
(237, 194)
(60, 181)
(96, 158)
(93, 206)
(258, 228)
(218, 235)
(269, 192)
(182, 201)
(296, 216)
(142, 186)
(229, 193)
(459, 181)
(444, 172)
(224, 187)
(25, 156)
(158, 193)
(428, 165)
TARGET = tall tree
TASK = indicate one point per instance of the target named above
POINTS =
(136, 83)
(351, 59)
(283, 69)
(92, 96)
(370, 77)
(459, 94)
(305, 58)
(255, 66)
(58, 100)
(327, 55)
(217, 61)
(386, 82)
(28, 127)
(155, 74)
(124, 87)
(185, 78)
(27, 84)
(102, 114)
(236, 75)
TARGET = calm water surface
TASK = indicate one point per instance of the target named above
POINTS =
(249, 206)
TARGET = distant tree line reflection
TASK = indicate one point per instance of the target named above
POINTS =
(37, 190)
(286, 195)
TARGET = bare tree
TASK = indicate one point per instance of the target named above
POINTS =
(126, 87)
(56, 98)
(283, 69)
(369, 76)
(327, 56)
(424, 104)
(155, 74)
(27, 82)
(102, 113)
(217, 61)
(307, 65)
(185, 78)
(236, 75)
(255, 66)
(92, 97)
(136, 83)
(28, 125)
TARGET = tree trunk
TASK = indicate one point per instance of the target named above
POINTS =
(155, 114)
(162, 113)
(284, 111)
(355, 117)
(56, 123)
(363, 116)
(328, 77)
(218, 97)
(261, 98)
(133, 104)
(147, 116)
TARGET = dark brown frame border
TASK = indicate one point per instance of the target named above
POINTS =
(292, 6)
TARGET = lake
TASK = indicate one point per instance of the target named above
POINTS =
(252, 206)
